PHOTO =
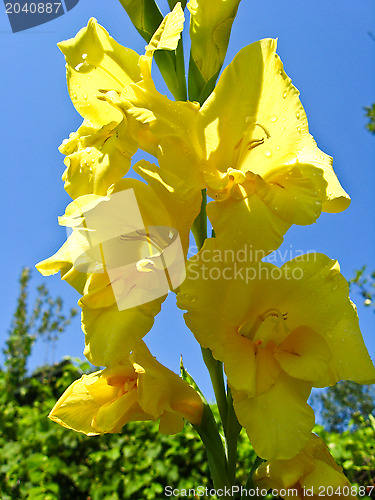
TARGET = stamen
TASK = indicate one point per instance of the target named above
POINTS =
(254, 143)
(249, 330)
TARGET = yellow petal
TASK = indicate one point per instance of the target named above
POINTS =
(305, 355)
(292, 196)
(254, 121)
(323, 476)
(238, 355)
(247, 223)
(111, 334)
(96, 62)
(217, 300)
(112, 416)
(335, 197)
(98, 159)
(167, 36)
(283, 473)
(161, 390)
(171, 423)
(61, 262)
(76, 408)
(351, 360)
(331, 316)
(176, 156)
(182, 202)
(279, 421)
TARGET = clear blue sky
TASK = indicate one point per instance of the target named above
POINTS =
(327, 51)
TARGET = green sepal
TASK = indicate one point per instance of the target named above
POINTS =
(189, 379)
(199, 88)
(172, 3)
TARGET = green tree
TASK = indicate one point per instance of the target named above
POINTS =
(45, 320)
(370, 114)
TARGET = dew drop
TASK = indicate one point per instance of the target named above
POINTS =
(74, 95)
(85, 97)
(267, 153)
(298, 114)
(273, 119)
(84, 56)
(299, 130)
(79, 66)
(285, 94)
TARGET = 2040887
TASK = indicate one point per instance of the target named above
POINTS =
(33, 8)
(347, 491)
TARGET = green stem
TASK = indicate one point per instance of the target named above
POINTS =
(180, 70)
(232, 431)
(212, 441)
(215, 369)
(199, 227)
(250, 482)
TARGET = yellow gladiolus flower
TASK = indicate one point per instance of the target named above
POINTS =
(249, 145)
(279, 332)
(312, 473)
(134, 389)
(98, 70)
(96, 62)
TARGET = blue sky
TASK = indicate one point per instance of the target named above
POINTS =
(326, 50)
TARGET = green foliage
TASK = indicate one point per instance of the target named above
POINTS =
(344, 402)
(365, 285)
(40, 460)
(370, 114)
(45, 320)
(354, 450)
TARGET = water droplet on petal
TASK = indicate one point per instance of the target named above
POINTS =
(84, 56)
(273, 119)
(298, 114)
(268, 153)
(85, 96)
(285, 94)
(299, 130)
